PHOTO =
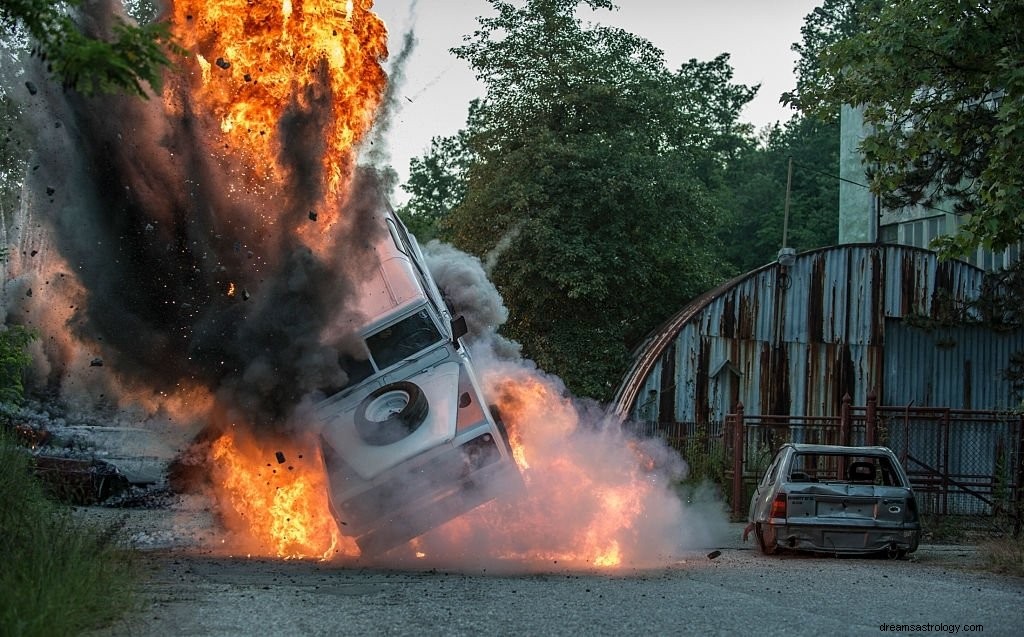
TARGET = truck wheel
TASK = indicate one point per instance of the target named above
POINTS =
(390, 413)
(501, 427)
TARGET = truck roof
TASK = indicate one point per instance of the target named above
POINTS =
(394, 285)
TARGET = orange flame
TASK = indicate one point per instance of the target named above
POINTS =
(252, 58)
(278, 497)
(589, 497)
(255, 63)
(591, 500)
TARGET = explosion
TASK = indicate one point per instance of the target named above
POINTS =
(594, 497)
(278, 507)
(292, 90)
(201, 259)
(260, 66)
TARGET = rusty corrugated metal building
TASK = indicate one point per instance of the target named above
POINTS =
(793, 341)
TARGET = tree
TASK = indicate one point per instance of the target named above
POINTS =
(755, 192)
(942, 84)
(587, 185)
(437, 182)
(125, 60)
(828, 24)
(14, 357)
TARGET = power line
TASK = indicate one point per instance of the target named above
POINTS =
(865, 186)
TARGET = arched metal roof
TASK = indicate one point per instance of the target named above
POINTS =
(799, 337)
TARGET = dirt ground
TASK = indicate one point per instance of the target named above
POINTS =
(192, 588)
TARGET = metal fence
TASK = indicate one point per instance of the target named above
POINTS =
(960, 462)
(702, 446)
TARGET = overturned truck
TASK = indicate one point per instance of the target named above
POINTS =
(409, 443)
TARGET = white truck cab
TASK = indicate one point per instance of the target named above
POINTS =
(409, 443)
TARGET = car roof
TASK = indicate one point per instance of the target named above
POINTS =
(837, 449)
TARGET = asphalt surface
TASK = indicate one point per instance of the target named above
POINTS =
(938, 591)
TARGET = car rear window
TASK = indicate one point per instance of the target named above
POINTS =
(850, 468)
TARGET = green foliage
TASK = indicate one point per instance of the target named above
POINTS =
(131, 57)
(754, 194)
(828, 24)
(584, 176)
(705, 459)
(14, 360)
(59, 576)
(437, 183)
(942, 84)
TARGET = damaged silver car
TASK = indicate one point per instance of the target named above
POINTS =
(836, 500)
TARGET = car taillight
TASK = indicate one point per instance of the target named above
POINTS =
(779, 506)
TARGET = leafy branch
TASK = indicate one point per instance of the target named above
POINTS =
(130, 58)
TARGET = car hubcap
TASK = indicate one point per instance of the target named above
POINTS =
(386, 406)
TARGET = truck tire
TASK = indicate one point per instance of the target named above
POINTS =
(500, 423)
(390, 413)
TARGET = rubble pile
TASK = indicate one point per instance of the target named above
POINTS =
(87, 463)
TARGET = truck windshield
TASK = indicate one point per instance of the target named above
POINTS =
(403, 339)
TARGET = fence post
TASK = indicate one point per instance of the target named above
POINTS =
(737, 460)
(945, 461)
(844, 420)
(1019, 513)
(870, 418)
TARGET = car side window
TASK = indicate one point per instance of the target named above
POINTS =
(769, 475)
(403, 339)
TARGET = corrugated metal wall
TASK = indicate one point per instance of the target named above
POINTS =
(795, 342)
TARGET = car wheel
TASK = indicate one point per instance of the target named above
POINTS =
(390, 413)
(766, 547)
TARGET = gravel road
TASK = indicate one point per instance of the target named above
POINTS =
(189, 592)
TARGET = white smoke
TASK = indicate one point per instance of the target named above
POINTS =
(467, 291)
(587, 476)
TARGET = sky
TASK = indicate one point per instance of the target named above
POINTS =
(437, 87)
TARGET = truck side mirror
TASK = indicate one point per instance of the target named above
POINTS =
(459, 328)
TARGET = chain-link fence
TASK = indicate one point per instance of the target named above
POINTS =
(966, 463)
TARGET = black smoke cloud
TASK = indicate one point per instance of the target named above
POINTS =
(157, 223)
